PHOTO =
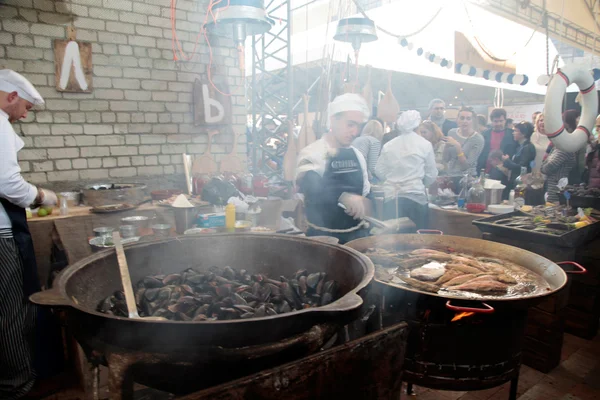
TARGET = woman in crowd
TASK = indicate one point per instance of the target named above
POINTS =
(463, 144)
(540, 141)
(571, 120)
(434, 135)
(407, 162)
(556, 166)
(524, 155)
(369, 144)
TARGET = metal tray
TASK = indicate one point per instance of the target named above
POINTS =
(574, 238)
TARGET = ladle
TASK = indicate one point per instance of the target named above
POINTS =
(126, 280)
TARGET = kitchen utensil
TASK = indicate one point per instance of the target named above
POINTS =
(206, 164)
(111, 208)
(102, 231)
(186, 169)
(106, 242)
(140, 221)
(128, 231)
(367, 91)
(498, 209)
(232, 162)
(388, 106)
(574, 238)
(126, 281)
(103, 194)
(161, 230)
(184, 218)
(389, 226)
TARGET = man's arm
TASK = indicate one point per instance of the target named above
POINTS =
(13, 187)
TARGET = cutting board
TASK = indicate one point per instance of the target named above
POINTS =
(306, 135)
(367, 91)
(232, 162)
(206, 164)
(388, 106)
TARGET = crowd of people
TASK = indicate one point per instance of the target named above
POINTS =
(336, 172)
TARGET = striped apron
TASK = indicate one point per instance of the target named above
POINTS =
(18, 280)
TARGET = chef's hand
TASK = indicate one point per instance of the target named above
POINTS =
(505, 157)
(355, 205)
(47, 197)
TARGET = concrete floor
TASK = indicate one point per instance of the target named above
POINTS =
(577, 378)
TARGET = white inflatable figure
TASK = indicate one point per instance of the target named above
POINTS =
(554, 127)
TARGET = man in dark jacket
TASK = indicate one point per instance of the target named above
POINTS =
(437, 108)
(496, 138)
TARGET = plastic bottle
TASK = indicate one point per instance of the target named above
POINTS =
(230, 217)
(520, 188)
(462, 196)
(511, 198)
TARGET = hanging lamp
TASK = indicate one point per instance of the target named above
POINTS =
(355, 31)
(242, 18)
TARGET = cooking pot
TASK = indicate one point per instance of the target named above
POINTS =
(82, 286)
(456, 343)
(550, 271)
(103, 194)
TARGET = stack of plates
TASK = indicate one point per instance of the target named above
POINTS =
(498, 209)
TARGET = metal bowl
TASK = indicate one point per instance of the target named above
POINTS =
(162, 230)
(103, 231)
(138, 220)
(128, 231)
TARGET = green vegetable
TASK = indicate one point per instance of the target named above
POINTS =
(538, 219)
(588, 211)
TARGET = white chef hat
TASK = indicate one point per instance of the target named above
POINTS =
(408, 121)
(10, 81)
(347, 102)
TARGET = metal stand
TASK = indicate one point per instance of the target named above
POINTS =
(514, 383)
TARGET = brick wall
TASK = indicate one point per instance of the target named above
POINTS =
(138, 119)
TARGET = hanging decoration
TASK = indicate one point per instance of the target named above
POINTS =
(465, 69)
(585, 81)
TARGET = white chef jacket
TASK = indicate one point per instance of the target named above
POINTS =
(12, 185)
(408, 163)
(314, 158)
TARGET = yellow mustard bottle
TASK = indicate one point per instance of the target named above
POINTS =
(230, 217)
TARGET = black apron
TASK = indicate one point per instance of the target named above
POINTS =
(47, 340)
(343, 173)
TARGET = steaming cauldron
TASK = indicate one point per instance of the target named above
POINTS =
(223, 346)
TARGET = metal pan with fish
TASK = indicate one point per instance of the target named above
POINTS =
(461, 268)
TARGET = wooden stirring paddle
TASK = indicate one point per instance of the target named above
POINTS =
(126, 281)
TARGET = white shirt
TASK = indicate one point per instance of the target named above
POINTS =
(408, 162)
(540, 142)
(12, 185)
(314, 158)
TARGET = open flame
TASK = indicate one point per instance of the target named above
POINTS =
(461, 315)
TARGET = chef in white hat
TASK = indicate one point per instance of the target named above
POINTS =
(18, 269)
(407, 163)
(331, 172)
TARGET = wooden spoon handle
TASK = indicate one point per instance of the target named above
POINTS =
(125, 277)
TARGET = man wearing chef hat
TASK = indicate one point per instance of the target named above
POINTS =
(330, 172)
(18, 270)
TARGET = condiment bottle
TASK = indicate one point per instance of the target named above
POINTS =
(230, 217)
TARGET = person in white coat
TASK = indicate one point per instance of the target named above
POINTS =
(331, 172)
(407, 163)
(18, 270)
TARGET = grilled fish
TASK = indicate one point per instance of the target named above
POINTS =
(463, 268)
(428, 287)
(482, 286)
(459, 280)
(449, 275)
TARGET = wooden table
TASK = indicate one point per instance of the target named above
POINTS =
(70, 233)
(454, 222)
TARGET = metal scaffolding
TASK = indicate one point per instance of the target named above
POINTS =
(559, 28)
(272, 92)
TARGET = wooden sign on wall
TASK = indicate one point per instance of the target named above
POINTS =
(73, 66)
(212, 106)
